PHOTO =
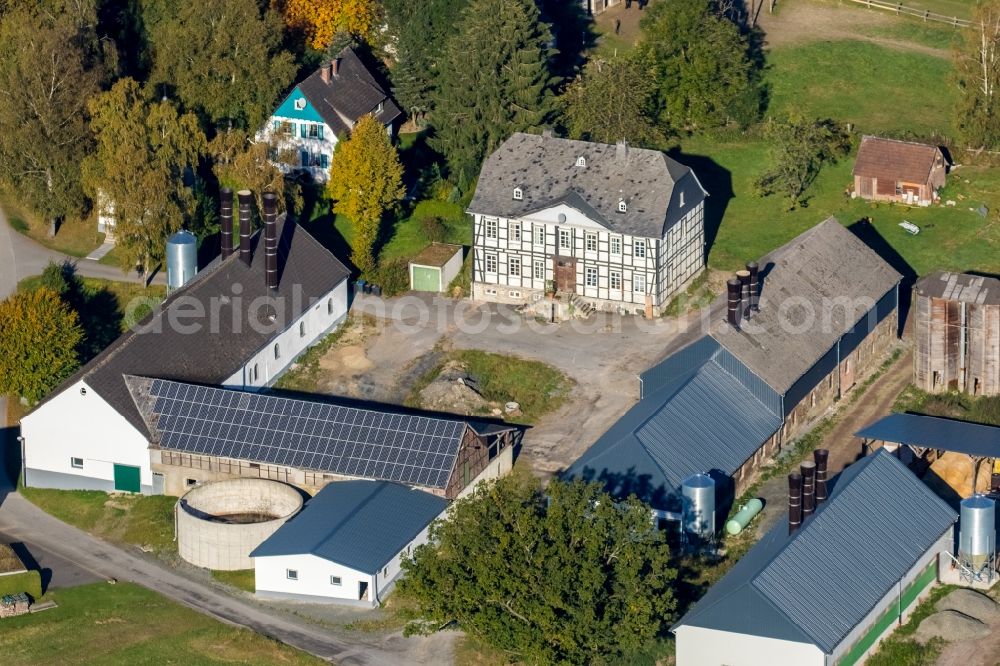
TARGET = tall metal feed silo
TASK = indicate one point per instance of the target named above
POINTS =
(182, 259)
(698, 507)
(977, 538)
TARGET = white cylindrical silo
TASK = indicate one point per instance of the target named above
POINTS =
(977, 540)
(698, 503)
(182, 259)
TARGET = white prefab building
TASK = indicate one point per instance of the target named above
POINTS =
(621, 228)
(347, 544)
(828, 593)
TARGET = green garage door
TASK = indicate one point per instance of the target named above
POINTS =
(127, 478)
(426, 279)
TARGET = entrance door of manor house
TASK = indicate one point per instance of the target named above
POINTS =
(564, 269)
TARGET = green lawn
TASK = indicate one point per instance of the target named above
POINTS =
(77, 238)
(242, 579)
(128, 624)
(962, 9)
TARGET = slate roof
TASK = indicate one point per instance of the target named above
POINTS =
(702, 420)
(933, 432)
(306, 271)
(349, 95)
(819, 583)
(826, 271)
(359, 524)
(893, 160)
(544, 167)
(960, 287)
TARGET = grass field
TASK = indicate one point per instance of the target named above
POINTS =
(127, 624)
(242, 579)
(76, 238)
(962, 9)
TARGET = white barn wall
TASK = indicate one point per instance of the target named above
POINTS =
(53, 434)
(697, 646)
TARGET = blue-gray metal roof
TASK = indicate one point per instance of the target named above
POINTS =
(819, 583)
(359, 524)
(700, 419)
(936, 433)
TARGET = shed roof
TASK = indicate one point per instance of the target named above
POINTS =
(230, 295)
(816, 585)
(936, 433)
(894, 160)
(815, 289)
(436, 254)
(962, 287)
(359, 524)
(545, 168)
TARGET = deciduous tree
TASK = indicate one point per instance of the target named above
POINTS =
(802, 147)
(320, 20)
(494, 81)
(144, 149)
(38, 343)
(978, 71)
(564, 576)
(242, 164)
(366, 178)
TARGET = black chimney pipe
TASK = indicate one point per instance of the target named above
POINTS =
(744, 278)
(794, 501)
(808, 469)
(246, 206)
(271, 239)
(754, 287)
(226, 220)
(821, 456)
(733, 291)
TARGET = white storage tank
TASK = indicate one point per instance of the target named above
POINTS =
(977, 540)
(182, 259)
(698, 506)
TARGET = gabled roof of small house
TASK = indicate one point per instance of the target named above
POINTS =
(814, 289)
(817, 584)
(349, 95)
(962, 287)
(894, 160)
(653, 186)
(226, 340)
(359, 524)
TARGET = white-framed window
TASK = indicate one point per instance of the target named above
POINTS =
(538, 269)
(518, 194)
(539, 231)
(515, 231)
(615, 280)
(300, 103)
(491, 263)
(590, 276)
(565, 239)
(616, 245)
(622, 206)
(581, 161)
(639, 283)
(76, 463)
(590, 241)
(639, 248)
(514, 294)
(302, 329)
(315, 131)
(490, 227)
(335, 580)
(292, 574)
(514, 266)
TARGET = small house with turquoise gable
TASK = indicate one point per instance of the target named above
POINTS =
(323, 108)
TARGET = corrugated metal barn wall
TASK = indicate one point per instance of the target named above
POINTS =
(681, 363)
(753, 383)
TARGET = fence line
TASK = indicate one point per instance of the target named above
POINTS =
(900, 8)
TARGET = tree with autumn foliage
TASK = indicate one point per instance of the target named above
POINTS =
(320, 20)
(39, 343)
(366, 178)
(243, 164)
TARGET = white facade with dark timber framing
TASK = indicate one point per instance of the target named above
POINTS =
(620, 227)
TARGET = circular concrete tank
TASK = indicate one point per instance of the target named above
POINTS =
(219, 524)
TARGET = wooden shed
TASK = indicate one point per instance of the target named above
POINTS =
(435, 267)
(900, 171)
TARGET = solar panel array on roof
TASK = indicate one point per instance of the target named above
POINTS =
(348, 441)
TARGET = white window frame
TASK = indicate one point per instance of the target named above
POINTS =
(336, 580)
(491, 258)
(581, 161)
(76, 463)
(622, 206)
(616, 245)
(514, 229)
(615, 280)
(292, 574)
(638, 283)
(639, 248)
(538, 269)
(514, 266)
(565, 235)
(590, 276)
(518, 194)
(590, 238)
(300, 103)
(490, 227)
(539, 234)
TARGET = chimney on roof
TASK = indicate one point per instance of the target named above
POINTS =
(246, 202)
(808, 469)
(226, 220)
(621, 152)
(821, 456)
(754, 287)
(744, 278)
(324, 71)
(794, 501)
(271, 239)
(335, 67)
(733, 295)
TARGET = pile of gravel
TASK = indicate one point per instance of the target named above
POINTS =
(950, 625)
(971, 603)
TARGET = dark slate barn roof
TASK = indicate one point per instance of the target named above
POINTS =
(307, 271)
(348, 96)
(544, 167)
(819, 583)
(359, 524)
(386, 443)
(960, 287)
(933, 432)
(893, 160)
(701, 420)
(827, 271)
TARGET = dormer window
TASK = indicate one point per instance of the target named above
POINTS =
(622, 206)
(518, 194)
(300, 103)
(581, 161)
